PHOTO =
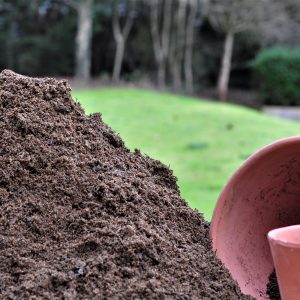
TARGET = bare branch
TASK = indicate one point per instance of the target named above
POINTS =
(154, 15)
(166, 27)
(129, 19)
(121, 35)
(116, 22)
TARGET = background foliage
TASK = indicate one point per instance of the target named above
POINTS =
(278, 71)
(38, 38)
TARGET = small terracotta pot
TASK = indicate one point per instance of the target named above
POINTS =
(263, 194)
(285, 248)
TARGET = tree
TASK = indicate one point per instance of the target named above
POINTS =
(189, 42)
(32, 32)
(121, 35)
(197, 9)
(284, 29)
(232, 17)
(161, 36)
(178, 43)
(83, 39)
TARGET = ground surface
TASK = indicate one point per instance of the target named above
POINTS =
(82, 217)
(203, 142)
(284, 112)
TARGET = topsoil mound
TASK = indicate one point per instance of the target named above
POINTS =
(81, 217)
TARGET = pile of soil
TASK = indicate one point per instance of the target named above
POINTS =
(82, 217)
(273, 288)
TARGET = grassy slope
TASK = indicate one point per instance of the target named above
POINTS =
(202, 142)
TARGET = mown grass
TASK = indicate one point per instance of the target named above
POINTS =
(203, 142)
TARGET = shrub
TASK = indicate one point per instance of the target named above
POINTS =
(278, 71)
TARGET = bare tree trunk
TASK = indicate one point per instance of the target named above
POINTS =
(118, 60)
(177, 46)
(189, 43)
(162, 75)
(83, 39)
(172, 59)
(177, 82)
(121, 36)
(226, 66)
(158, 53)
(166, 31)
(161, 41)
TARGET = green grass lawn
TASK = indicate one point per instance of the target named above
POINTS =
(203, 142)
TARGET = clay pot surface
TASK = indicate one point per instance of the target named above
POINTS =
(263, 194)
(285, 248)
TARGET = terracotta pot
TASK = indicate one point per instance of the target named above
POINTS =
(263, 194)
(285, 248)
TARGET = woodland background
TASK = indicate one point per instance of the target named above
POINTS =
(197, 47)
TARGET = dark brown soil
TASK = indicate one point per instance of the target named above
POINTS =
(81, 217)
(272, 287)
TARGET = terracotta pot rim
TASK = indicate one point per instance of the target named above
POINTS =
(239, 172)
(272, 236)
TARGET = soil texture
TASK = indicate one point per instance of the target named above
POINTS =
(82, 217)
(273, 288)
